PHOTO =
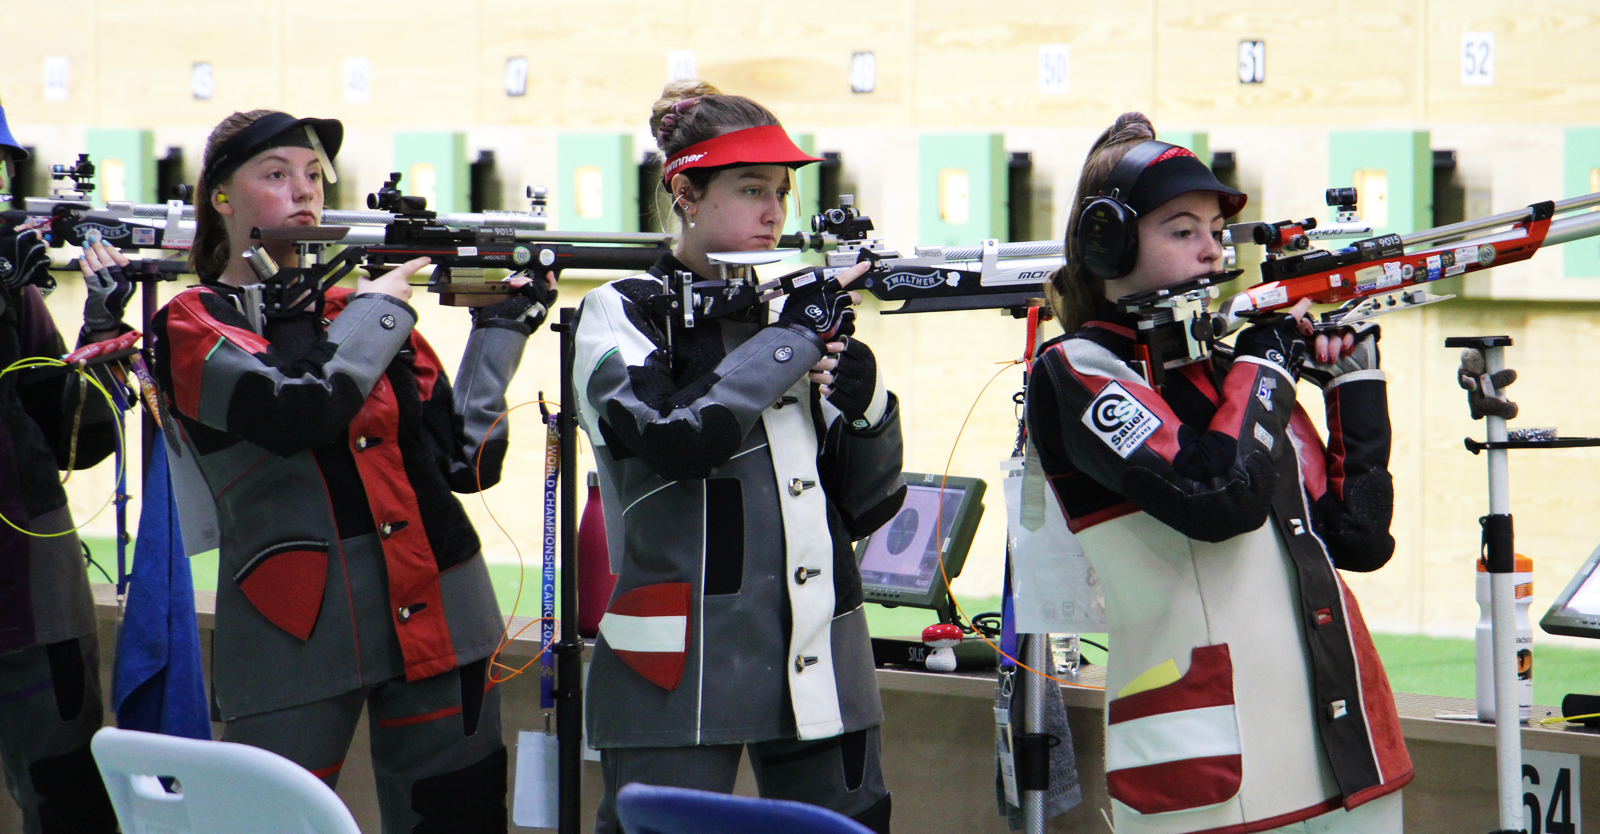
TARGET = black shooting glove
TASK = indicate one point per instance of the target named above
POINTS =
(1276, 339)
(1485, 399)
(24, 259)
(109, 291)
(523, 311)
(821, 307)
(1363, 357)
(855, 380)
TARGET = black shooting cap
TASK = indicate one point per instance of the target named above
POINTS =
(1171, 171)
(275, 130)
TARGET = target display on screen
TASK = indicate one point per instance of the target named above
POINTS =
(900, 561)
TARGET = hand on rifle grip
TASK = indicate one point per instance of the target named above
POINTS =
(394, 282)
(109, 286)
(1485, 391)
(24, 258)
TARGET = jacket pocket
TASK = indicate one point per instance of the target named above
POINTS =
(1176, 747)
(647, 628)
(285, 583)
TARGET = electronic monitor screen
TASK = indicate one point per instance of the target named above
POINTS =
(900, 561)
(1577, 611)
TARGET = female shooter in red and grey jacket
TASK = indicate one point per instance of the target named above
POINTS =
(331, 443)
(1243, 690)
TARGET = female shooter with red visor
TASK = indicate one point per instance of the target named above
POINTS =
(739, 459)
(1243, 691)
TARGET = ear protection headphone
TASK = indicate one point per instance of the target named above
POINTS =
(1108, 228)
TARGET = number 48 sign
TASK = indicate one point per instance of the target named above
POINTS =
(1550, 798)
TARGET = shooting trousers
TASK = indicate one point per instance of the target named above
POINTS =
(44, 588)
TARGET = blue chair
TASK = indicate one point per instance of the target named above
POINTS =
(651, 809)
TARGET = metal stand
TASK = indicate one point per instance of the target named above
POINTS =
(1500, 561)
(569, 651)
(1033, 801)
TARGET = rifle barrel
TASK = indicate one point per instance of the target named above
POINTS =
(1576, 227)
(1020, 249)
(1465, 228)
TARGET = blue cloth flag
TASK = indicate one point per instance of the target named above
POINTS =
(159, 685)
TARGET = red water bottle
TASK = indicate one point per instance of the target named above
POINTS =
(595, 580)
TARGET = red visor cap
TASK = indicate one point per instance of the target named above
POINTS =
(765, 145)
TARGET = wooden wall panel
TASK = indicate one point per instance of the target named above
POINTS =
(799, 64)
(978, 66)
(1544, 61)
(424, 62)
(22, 71)
(596, 64)
(143, 65)
(1356, 64)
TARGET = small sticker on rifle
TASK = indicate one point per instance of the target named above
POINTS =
(1271, 297)
(466, 251)
(1120, 420)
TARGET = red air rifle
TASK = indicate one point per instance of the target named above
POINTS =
(1388, 273)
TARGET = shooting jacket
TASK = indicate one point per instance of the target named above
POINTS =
(732, 493)
(1243, 690)
(44, 586)
(329, 450)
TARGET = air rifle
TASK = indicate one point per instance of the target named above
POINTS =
(462, 246)
(990, 275)
(1374, 276)
(1387, 273)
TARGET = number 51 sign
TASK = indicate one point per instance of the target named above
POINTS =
(1550, 798)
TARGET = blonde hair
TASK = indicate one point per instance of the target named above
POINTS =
(211, 251)
(1075, 294)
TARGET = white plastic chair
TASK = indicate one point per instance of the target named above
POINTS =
(224, 788)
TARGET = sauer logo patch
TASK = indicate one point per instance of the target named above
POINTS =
(1120, 420)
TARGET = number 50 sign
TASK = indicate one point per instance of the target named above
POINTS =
(1550, 798)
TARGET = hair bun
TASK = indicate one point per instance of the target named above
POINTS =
(677, 98)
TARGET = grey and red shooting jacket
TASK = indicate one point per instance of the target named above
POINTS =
(1243, 690)
(330, 448)
(44, 413)
(732, 491)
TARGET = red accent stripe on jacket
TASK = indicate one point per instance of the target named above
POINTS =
(1208, 683)
(193, 334)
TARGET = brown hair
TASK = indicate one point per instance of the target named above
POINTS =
(1074, 294)
(210, 253)
(691, 111)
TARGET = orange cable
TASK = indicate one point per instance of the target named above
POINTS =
(939, 518)
(477, 473)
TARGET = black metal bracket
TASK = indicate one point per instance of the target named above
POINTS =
(1476, 446)
(1033, 759)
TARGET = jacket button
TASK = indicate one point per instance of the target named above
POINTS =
(361, 442)
(802, 574)
(795, 487)
(802, 661)
(404, 613)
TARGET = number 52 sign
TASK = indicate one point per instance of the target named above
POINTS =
(1551, 794)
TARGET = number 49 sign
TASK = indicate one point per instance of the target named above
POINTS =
(1550, 793)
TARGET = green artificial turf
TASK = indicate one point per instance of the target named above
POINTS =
(1417, 664)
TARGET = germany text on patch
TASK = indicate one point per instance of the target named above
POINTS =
(1120, 420)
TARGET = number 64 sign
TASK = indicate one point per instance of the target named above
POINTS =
(1550, 798)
